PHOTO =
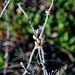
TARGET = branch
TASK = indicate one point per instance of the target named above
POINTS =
(6, 56)
(68, 53)
(4, 8)
(42, 51)
(30, 59)
(19, 5)
(7, 24)
(42, 60)
(47, 14)
(24, 68)
(39, 49)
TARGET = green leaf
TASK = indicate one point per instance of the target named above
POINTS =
(72, 48)
(66, 36)
(72, 40)
(1, 60)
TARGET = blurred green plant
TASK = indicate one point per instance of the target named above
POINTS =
(1, 59)
(61, 21)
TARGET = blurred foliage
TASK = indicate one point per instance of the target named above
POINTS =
(1, 60)
(61, 21)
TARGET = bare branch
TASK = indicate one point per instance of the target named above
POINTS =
(24, 68)
(40, 49)
(33, 51)
(46, 20)
(19, 5)
(42, 60)
(4, 8)
(68, 53)
(6, 56)
(42, 55)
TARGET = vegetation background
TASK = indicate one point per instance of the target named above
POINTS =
(59, 30)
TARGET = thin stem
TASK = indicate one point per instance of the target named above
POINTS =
(24, 68)
(7, 24)
(30, 59)
(39, 52)
(7, 48)
(6, 61)
(26, 17)
(46, 20)
(4, 8)
(43, 61)
(68, 53)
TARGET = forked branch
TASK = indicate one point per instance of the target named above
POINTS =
(40, 36)
(4, 8)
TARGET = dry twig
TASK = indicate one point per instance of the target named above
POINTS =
(19, 5)
(4, 8)
(40, 37)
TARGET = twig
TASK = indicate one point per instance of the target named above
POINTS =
(40, 36)
(30, 59)
(62, 69)
(7, 37)
(57, 73)
(6, 61)
(68, 53)
(24, 68)
(42, 60)
(4, 8)
(46, 20)
(19, 5)
(18, 65)
(41, 56)
(31, 56)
